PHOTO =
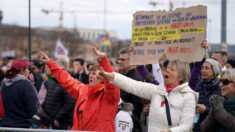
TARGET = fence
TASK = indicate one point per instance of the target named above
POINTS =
(8, 129)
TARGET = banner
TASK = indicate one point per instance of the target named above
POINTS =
(60, 49)
(9, 53)
(175, 34)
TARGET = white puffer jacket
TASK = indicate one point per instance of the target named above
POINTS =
(182, 102)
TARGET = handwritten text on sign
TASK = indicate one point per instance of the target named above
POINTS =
(177, 34)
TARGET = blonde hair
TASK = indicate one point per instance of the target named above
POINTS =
(183, 70)
(231, 73)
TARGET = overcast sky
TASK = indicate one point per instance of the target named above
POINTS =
(118, 18)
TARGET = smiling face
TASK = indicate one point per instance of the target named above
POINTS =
(171, 76)
(227, 86)
(207, 71)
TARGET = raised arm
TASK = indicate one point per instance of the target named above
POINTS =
(138, 88)
(144, 73)
(71, 85)
(109, 88)
(196, 71)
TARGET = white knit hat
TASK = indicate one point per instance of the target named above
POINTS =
(215, 66)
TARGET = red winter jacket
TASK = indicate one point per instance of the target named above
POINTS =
(99, 103)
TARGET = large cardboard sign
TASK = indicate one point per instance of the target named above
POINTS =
(175, 34)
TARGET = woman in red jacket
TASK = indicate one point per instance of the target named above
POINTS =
(97, 102)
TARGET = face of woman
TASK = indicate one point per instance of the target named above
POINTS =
(25, 72)
(227, 86)
(171, 76)
(207, 71)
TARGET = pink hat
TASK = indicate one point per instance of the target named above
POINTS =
(20, 63)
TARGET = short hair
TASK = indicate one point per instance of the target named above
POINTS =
(94, 67)
(183, 70)
(124, 51)
(79, 60)
(223, 54)
(231, 73)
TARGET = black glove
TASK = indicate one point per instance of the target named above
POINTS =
(217, 103)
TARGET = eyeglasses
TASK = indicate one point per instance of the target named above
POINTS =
(206, 68)
(225, 81)
(122, 59)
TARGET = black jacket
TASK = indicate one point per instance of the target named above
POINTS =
(206, 90)
(130, 98)
(83, 77)
(59, 105)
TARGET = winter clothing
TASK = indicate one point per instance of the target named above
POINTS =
(82, 76)
(129, 97)
(196, 74)
(96, 107)
(123, 120)
(206, 90)
(20, 63)
(215, 66)
(20, 101)
(216, 102)
(222, 120)
(58, 104)
(144, 73)
(182, 102)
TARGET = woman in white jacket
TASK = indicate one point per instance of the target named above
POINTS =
(172, 102)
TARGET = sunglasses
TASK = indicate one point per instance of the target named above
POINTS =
(225, 81)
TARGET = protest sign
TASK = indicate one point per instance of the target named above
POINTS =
(175, 34)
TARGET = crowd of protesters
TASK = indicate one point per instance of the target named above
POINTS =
(59, 94)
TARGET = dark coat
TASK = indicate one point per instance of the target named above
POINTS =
(58, 104)
(83, 77)
(206, 90)
(20, 103)
(213, 121)
(130, 98)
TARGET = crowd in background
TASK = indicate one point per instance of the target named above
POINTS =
(199, 96)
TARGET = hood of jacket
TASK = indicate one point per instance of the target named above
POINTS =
(183, 88)
(18, 77)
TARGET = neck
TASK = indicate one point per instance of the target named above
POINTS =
(173, 85)
(130, 68)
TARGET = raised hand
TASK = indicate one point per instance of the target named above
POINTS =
(216, 102)
(107, 75)
(100, 55)
(44, 58)
(204, 44)
(131, 48)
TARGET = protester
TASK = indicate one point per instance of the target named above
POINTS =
(222, 115)
(128, 70)
(173, 102)
(19, 96)
(206, 88)
(97, 102)
(230, 64)
(58, 104)
(123, 120)
(80, 71)
(221, 57)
